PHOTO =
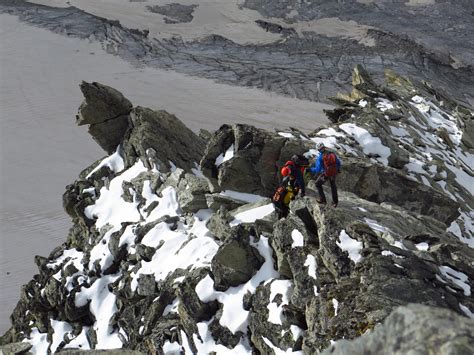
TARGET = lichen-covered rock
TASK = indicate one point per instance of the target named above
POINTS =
(416, 329)
(218, 224)
(365, 268)
(236, 261)
(192, 192)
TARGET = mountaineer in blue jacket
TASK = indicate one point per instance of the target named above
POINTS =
(327, 165)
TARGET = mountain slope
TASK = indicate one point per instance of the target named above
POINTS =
(176, 248)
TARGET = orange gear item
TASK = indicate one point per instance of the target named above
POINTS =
(285, 171)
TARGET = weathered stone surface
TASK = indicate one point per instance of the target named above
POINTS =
(106, 110)
(192, 192)
(215, 201)
(169, 138)
(414, 329)
(218, 224)
(382, 184)
(102, 103)
(257, 156)
(236, 261)
(15, 348)
(356, 295)
(146, 285)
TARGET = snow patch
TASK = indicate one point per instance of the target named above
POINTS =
(242, 196)
(457, 277)
(335, 304)
(275, 311)
(114, 162)
(370, 145)
(229, 154)
(110, 208)
(466, 311)
(422, 246)
(376, 226)
(252, 215)
(102, 306)
(310, 262)
(286, 134)
(352, 246)
(298, 239)
(234, 316)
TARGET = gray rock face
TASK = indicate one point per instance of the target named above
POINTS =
(256, 158)
(235, 262)
(155, 130)
(380, 184)
(215, 201)
(106, 110)
(15, 348)
(102, 103)
(414, 329)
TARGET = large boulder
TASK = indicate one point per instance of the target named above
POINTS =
(106, 110)
(164, 138)
(236, 261)
(414, 329)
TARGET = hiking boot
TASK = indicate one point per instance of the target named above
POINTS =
(321, 202)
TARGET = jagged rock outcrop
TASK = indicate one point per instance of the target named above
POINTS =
(106, 111)
(379, 184)
(166, 136)
(414, 329)
(247, 159)
(168, 257)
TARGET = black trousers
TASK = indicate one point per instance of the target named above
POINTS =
(319, 185)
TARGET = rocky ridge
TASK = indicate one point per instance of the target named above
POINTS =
(175, 246)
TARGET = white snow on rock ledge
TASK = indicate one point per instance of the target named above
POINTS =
(352, 246)
(298, 238)
(234, 316)
(110, 208)
(284, 288)
(242, 196)
(114, 162)
(458, 278)
(229, 154)
(370, 145)
(252, 215)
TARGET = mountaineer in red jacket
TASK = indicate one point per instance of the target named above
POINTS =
(327, 165)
